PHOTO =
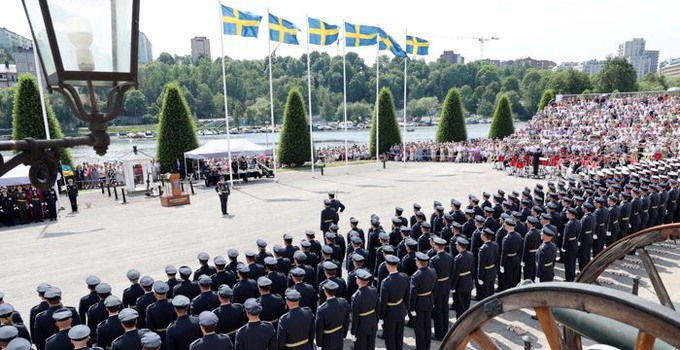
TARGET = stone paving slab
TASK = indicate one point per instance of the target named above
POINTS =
(107, 238)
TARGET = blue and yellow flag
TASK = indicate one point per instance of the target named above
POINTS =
(322, 33)
(282, 31)
(240, 23)
(388, 43)
(417, 46)
(360, 35)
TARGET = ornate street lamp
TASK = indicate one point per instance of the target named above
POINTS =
(83, 45)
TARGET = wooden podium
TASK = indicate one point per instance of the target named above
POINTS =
(173, 196)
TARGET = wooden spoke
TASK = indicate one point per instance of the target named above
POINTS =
(654, 277)
(483, 340)
(552, 332)
(644, 341)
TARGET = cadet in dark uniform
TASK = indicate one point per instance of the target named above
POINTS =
(207, 300)
(461, 277)
(296, 328)
(332, 319)
(245, 288)
(232, 254)
(210, 340)
(335, 204)
(486, 265)
(161, 313)
(289, 248)
(273, 306)
(613, 223)
(131, 338)
(231, 316)
(624, 212)
(79, 336)
(90, 299)
(307, 291)
(72, 192)
(221, 275)
(186, 287)
(530, 246)
(328, 216)
(301, 261)
(442, 263)
(223, 191)
(546, 256)
(9, 333)
(185, 329)
(330, 269)
(585, 238)
(205, 269)
(408, 262)
(279, 279)
(602, 217)
(110, 329)
(255, 269)
(262, 253)
(256, 334)
(145, 300)
(280, 262)
(97, 312)
(51, 201)
(423, 284)
(37, 309)
(171, 272)
(6, 320)
(570, 245)
(510, 262)
(394, 304)
(60, 340)
(365, 311)
(44, 322)
(133, 292)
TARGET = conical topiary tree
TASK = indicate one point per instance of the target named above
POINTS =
(294, 138)
(548, 95)
(176, 130)
(502, 124)
(27, 117)
(452, 122)
(389, 129)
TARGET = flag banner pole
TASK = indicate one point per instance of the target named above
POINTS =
(271, 101)
(344, 89)
(226, 105)
(403, 138)
(377, 102)
(309, 93)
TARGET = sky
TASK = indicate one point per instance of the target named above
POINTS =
(557, 30)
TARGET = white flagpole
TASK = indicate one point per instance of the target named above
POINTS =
(226, 105)
(344, 88)
(309, 93)
(377, 102)
(271, 96)
(403, 138)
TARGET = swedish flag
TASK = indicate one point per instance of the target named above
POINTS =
(360, 35)
(388, 43)
(282, 31)
(322, 33)
(417, 46)
(240, 23)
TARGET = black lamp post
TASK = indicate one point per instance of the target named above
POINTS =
(83, 45)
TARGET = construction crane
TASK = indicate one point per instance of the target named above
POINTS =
(481, 40)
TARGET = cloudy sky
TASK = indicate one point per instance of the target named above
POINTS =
(557, 30)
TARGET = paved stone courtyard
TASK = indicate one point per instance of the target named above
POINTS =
(107, 238)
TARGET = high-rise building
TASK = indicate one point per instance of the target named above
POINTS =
(25, 61)
(670, 68)
(590, 67)
(452, 57)
(10, 41)
(643, 61)
(200, 46)
(144, 55)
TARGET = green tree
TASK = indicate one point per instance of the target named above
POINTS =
(548, 95)
(617, 74)
(294, 146)
(452, 122)
(27, 117)
(6, 101)
(653, 82)
(356, 111)
(389, 128)
(502, 124)
(135, 103)
(177, 131)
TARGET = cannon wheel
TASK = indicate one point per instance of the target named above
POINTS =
(652, 320)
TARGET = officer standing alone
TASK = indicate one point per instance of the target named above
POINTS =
(72, 192)
(223, 191)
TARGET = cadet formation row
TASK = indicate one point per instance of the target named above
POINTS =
(295, 297)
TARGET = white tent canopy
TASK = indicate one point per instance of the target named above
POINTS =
(219, 149)
(15, 177)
